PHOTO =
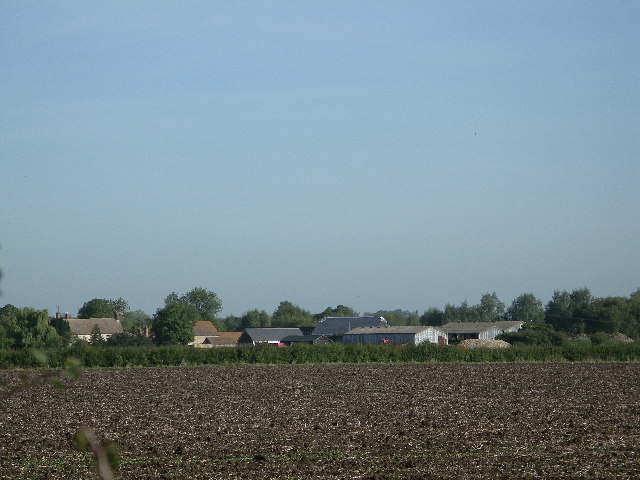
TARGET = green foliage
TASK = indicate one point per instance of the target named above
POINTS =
(205, 302)
(490, 309)
(102, 308)
(96, 339)
(578, 312)
(526, 308)
(339, 311)
(232, 322)
(534, 334)
(173, 324)
(255, 318)
(433, 317)
(27, 328)
(462, 313)
(290, 315)
(318, 354)
(126, 339)
(135, 321)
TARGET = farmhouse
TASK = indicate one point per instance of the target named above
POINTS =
(459, 331)
(83, 327)
(335, 327)
(201, 330)
(271, 336)
(395, 335)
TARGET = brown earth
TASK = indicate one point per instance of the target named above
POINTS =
(332, 422)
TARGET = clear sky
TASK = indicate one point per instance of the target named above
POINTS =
(375, 154)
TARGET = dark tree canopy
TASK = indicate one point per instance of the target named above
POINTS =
(290, 315)
(173, 324)
(27, 328)
(433, 317)
(255, 318)
(102, 308)
(206, 303)
(526, 308)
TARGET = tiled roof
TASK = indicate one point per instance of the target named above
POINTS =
(223, 338)
(204, 328)
(83, 326)
(341, 325)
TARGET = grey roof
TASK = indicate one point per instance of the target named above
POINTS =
(83, 326)
(270, 334)
(476, 327)
(302, 338)
(389, 330)
(341, 325)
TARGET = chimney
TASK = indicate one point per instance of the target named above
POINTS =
(67, 316)
(58, 315)
(116, 315)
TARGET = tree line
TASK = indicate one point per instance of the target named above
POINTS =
(572, 313)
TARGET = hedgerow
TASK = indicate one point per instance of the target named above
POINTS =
(318, 354)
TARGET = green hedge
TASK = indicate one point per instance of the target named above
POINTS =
(315, 354)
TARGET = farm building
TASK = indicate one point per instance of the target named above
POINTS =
(459, 331)
(335, 327)
(221, 339)
(306, 339)
(201, 330)
(82, 327)
(395, 335)
(272, 336)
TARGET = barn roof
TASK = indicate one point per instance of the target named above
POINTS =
(301, 338)
(341, 325)
(223, 338)
(388, 330)
(204, 328)
(83, 326)
(270, 334)
(469, 327)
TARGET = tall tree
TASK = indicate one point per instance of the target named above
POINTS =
(27, 328)
(255, 318)
(102, 308)
(567, 311)
(206, 302)
(173, 324)
(290, 315)
(526, 308)
(490, 309)
(433, 316)
(135, 321)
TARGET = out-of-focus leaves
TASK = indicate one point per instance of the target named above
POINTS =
(40, 356)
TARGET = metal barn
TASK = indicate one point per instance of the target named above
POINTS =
(395, 335)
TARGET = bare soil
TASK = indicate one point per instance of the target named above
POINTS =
(536, 421)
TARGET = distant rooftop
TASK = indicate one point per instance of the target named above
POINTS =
(341, 325)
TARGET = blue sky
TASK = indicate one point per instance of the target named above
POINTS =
(375, 154)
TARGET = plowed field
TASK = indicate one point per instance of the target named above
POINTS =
(384, 421)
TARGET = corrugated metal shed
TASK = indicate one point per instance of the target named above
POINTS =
(312, 339)
(395, 335)
(459, 331)
(336, 326)
(267, 335)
